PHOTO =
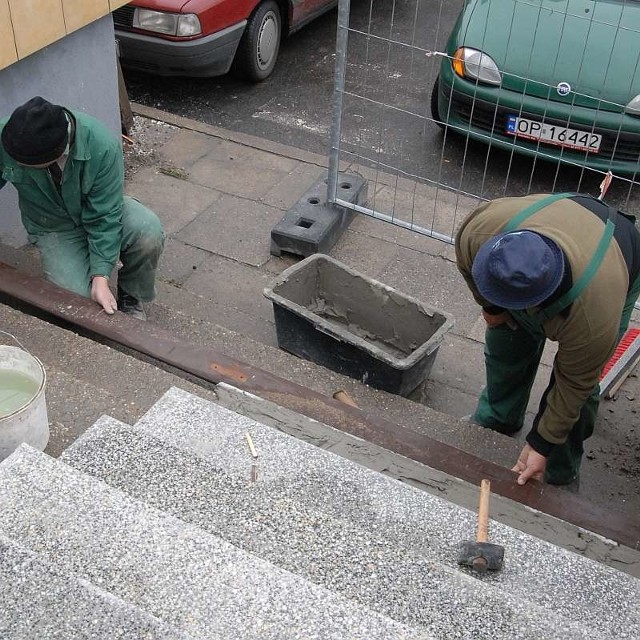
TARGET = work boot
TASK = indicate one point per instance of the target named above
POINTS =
(130, 305)
(504, 429)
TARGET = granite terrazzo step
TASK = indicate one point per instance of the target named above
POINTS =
(396, 514)
(38, 600)
(172, 570)
(387, 564)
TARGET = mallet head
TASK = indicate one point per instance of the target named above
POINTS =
(481, 556)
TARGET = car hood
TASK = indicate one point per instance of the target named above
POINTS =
(593, 45)
(175, 6)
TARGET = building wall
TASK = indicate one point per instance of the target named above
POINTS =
(26, 26)
(79, 71)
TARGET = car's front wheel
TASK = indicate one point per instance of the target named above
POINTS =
(435, 108)
(258, 50)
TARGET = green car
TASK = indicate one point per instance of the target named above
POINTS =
(556, 79)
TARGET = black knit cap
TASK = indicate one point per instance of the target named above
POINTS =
(36, 132)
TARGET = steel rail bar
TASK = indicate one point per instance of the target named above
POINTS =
(46, 300)
(395, 221)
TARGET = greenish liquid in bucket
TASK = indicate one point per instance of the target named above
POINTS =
(16, 390)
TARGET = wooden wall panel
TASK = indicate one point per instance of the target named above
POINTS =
(80, 13)
(26, 26)
(8, 53)
(36, 23)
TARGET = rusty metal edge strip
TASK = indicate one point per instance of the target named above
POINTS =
(210, 365)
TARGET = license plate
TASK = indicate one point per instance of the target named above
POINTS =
(553, 134)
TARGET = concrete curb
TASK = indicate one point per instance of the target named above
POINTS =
(243, 139)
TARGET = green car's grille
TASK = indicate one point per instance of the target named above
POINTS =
(617, 146)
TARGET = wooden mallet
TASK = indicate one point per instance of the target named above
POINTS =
(480, 554)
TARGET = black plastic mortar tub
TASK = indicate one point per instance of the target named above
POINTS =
(332, 315)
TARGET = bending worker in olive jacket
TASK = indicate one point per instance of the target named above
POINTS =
(68, 170)
(564, 267)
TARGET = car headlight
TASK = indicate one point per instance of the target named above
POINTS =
(172, 24)
(471, 63)
(633, 107)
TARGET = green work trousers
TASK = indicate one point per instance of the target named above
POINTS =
(511, 362)
(65, 254)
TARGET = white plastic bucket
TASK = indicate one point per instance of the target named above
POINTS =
(28, 423)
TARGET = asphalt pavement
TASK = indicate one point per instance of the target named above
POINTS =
(219, 193)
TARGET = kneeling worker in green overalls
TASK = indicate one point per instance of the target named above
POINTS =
(564, 267)
(68, 170)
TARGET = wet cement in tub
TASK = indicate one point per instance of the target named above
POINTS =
(331, 314)
(384, 318)
(341, 318)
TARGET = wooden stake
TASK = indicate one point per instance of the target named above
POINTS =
(252, 449)
(126, 114)
(343, 396)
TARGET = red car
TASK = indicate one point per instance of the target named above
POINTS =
(206, 37)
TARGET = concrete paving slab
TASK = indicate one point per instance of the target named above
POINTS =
(73, 404)
(176, 207)
(277, 265)
(179, 262)
(403, 238)
(187, 147)
(365, 254)
(37, 600)
(12, 233)
(235, 228)
(229, 171)
(174, 571)
(26, 258)
(286, 192)
(377, 176)
(425, 210)
(610, 470)
(432, 280)
(201, 310)
(237, 284)
(447, 399)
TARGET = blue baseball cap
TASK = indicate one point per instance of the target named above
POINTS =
(518, 269)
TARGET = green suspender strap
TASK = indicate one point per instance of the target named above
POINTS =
(593, 266)
(517, 220)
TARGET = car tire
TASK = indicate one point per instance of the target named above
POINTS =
(258, 49)
(435, 107)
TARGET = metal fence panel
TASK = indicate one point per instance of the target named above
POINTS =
(388, 58)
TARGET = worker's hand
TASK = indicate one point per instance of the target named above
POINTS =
(101, 294)
(498, 319)
(531, 464)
